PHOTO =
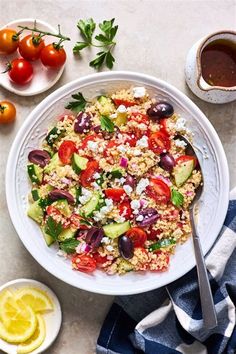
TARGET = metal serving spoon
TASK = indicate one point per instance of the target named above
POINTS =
(207, 303)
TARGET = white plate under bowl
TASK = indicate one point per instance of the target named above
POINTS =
(52, 319)
(43, 78)
(212, 207)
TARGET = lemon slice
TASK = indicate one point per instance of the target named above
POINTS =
(18, 321)
(37, 299)
(37, 338)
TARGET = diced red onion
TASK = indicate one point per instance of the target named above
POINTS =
(123, 162)
(130, 181)
(164, 179)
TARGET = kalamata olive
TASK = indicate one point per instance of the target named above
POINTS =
(39, 157)
(82, 123)
(167, 162)
(60, 194)
(150, 216)
(126, 247)
(160, 110)
(94, 237)
(130, 181)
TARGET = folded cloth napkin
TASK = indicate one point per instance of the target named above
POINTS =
(169, 320)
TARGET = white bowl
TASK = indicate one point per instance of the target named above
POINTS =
(43, 78)
(212, 207)
(52, 319)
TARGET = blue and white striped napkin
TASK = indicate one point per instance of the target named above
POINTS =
(169, 320)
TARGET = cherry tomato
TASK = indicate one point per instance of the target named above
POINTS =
(152, 235)
(109, 146)
(7, 112)
(52, 211)
(30, 47)
(66, 150)
(8, 41)
(20, 71)
(158, 190)
(84, 263)
(86, 176)
(125, 209)
(114, 193)
(86, 140)
(185, 158)
(137, 235)
(125, 103)
(100, 260)
(159, 142)
(163, 125)
(75, 222)
(131, 140)
(53, 57)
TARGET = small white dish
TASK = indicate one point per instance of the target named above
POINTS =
(43, 78)
(52, 319)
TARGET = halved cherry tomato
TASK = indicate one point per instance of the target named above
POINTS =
(66, 150)
(52, 211)
(86, 176)
(57, 215)
(84, 263)
(125, 209)
(125, 103)
(8, 41)
(100, 260)
(20, 71)
(185, 158)
(159, 142)
(158, 190)
(109, 146)
(52, 56)
(152, 235)
(131, 140)
(114, 193)
(137, 235)
(75, 221)
(163, 125)
(30, 47)
(86, 140)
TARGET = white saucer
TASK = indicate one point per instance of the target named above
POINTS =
(52, 319)
(43, 78)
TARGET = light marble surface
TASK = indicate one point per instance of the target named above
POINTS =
(154, 37)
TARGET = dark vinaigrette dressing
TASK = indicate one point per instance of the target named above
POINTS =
(218, 62)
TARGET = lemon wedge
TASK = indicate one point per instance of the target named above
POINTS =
(37, 299)
(37, 338)
(17, 321)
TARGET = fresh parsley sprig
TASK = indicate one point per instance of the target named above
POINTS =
(53, 228)
(69, 245)
(79, 103)
(106, 124)
(105, 40)
(176, 197)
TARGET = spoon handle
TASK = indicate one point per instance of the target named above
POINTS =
(207, 303)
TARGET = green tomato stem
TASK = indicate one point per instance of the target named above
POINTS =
(59, 35)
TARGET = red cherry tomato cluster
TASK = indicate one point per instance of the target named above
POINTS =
(31, 48)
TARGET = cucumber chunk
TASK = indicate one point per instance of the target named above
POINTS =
(48, 239)
(93, 203)
(79, 163)
(53, 164)
(114, 230)
(66, 234)
(35, 194)
(35, 173)
(53, 135)
(183, 171)
(35, 212)
(106, 106)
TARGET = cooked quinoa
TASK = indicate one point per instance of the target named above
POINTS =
(112, 183)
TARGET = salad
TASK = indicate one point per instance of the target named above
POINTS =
(112, 183)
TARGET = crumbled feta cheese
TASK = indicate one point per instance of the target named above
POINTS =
(139, 92)
(180, 124)
(180, 143)
(135, 204)
(95, 185)
(121, 148)
(85, 195)
(121, 109)
(109, 202)
(122, 180)
(113, 115)
(143, 142)
(110, 248)
(128, 189)
(120, 219)
(140, 218)
(92, 145)
(100, 149)
(137, 152)
(106, 240)
(96, 175)
(141, 186)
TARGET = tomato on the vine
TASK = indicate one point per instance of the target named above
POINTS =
(66, 150)
(84, 263)
(31, 46)
(20, 71)
(53, 56)
(7, 112)
(8, 41)
(86, 176)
